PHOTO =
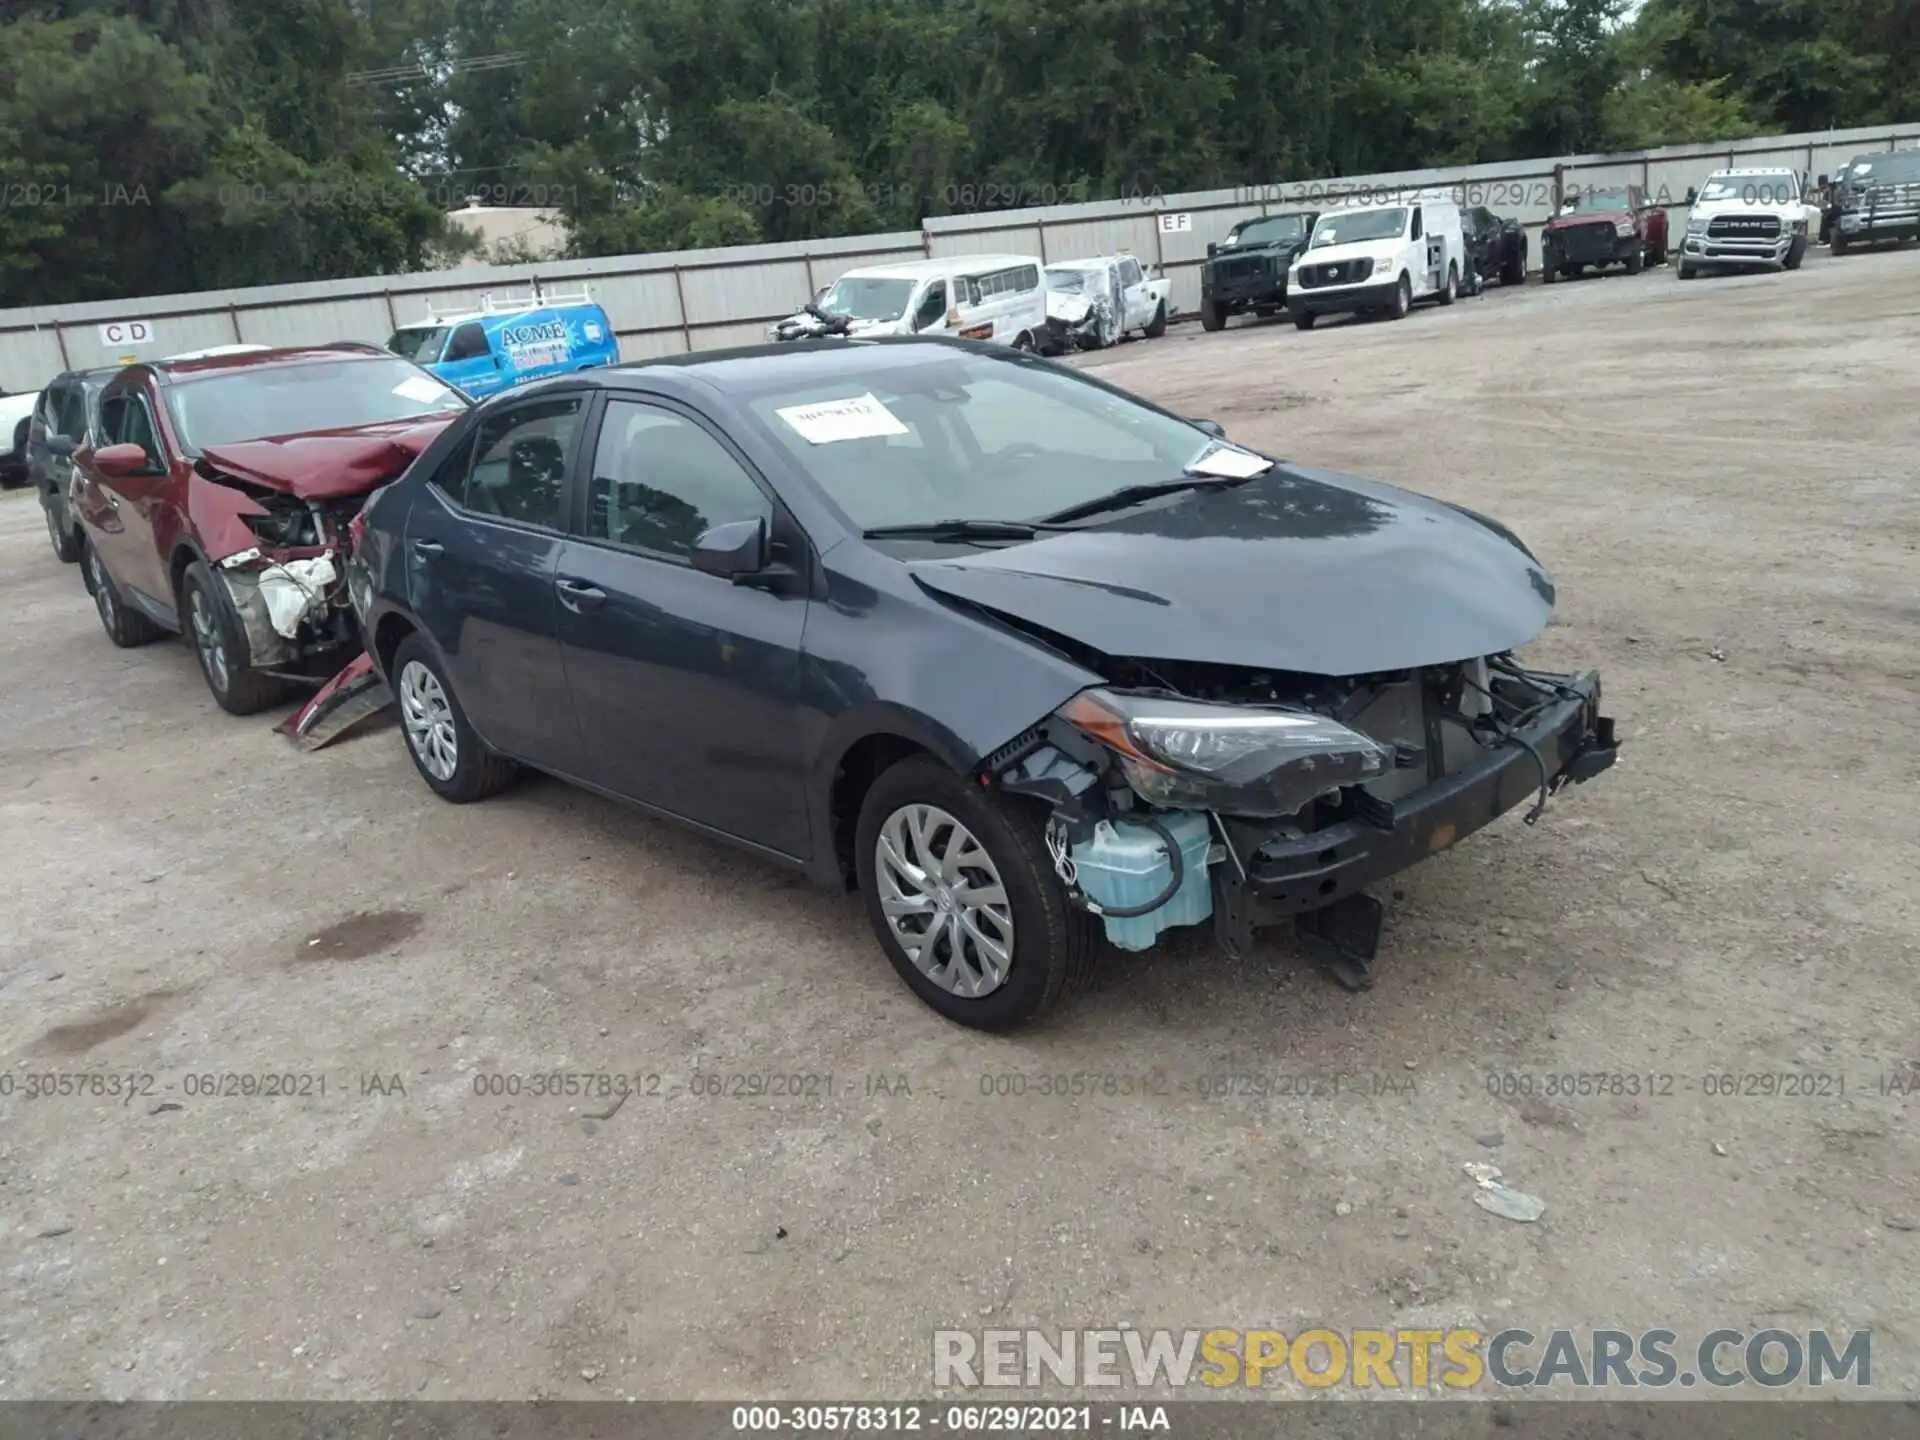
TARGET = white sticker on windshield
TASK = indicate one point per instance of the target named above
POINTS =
(1230, 463)
(419, 388)
(859, 417)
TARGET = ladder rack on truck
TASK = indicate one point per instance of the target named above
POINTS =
(509, 305)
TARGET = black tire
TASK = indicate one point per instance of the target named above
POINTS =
(1514, 271)
(220, 645)
(1452, 291)
(477, 771)
(1658, 255)
(1158, 325)
(1024, 342)
(1683, 270)
(1796, 252)
(1839, 243)
(1402, 298)
(1549, 272)
(66, 544)
(125, 627)
(1210, 316)
(1304, 319)
(1054, 944)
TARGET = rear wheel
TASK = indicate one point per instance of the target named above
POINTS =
(1158, 325)
(125, 628)
(450, 757)
(66, 544)
(1210, 316)
(1514, 270)
(1549, 272)
(1452, 292)
(963, 898)
(220, 645)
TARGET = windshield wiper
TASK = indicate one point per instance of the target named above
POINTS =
(1133, 494)
(961, 530)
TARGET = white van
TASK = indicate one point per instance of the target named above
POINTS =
(1379, 257)
(975, 297)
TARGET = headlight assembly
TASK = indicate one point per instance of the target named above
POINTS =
(1697, 224)
(1187, 755)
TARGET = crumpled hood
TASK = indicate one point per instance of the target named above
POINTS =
(328, 464)
(1069, 309)
(1297, 570)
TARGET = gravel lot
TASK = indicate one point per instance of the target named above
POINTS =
(1722, 476)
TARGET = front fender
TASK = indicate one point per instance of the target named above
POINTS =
(214, 514)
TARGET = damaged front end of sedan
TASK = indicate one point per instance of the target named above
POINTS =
(1184, 793)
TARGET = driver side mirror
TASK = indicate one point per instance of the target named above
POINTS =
(1210, 427)
(733, 550)
(1693, 193)
(1212, 249)
(59, 445)
(123, 461)
(1823, 181)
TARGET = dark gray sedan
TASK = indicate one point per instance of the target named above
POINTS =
(1026, 660)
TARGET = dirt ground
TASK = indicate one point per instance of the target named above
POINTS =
(1722, 477)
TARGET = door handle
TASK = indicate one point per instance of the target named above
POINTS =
(577, 596)
(113, 500)
(426, 549)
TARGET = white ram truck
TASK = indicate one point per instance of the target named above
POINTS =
(1741, 218)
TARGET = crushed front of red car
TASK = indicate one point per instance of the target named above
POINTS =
(273, 518)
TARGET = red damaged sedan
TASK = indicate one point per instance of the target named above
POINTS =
(217, 504)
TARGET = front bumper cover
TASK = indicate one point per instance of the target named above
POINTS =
(1287, 877)
(1342, 299)
(1702, 251)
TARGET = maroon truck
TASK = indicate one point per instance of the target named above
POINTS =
(1602, 227)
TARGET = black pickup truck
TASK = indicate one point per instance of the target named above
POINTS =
(1248, 270)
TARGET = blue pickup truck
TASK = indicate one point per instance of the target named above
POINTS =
(505, 343)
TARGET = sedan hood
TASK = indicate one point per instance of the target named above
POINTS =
(1296, 570)
(328, 464)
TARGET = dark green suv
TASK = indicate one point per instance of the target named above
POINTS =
(1248, 270)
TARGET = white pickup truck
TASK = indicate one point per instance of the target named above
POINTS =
(1738, 218)
(1096, 302)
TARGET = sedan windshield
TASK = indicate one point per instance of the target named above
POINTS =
(1596, 202)
(873, 298)
(1337, 229)
(902, 438)
(419, 343)
(261, 401)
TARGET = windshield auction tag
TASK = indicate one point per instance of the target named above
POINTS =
(860, 417)
(421, 389)
(1230, 463)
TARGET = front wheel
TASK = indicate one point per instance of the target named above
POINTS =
(1683, 270)
(451, 758)
(1796, 252)
(1210, 316)
(1024, 342)
(963, 898)
(1303, 319)
(1158, 325)
(1839, 243)
(1637, 261)
(220, 646)
(1402, 298)
(1549, 271)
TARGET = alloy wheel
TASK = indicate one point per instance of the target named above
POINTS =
(53, 531)
(944, 901)
(428, 718)
(208, 640)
